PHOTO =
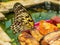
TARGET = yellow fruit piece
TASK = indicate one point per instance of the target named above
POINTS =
(58, 25)
(36, 34)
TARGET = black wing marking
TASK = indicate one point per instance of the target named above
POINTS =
(22, 20)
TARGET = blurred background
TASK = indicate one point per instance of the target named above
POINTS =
(39, 10)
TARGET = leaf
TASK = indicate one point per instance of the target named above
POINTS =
(42, 15)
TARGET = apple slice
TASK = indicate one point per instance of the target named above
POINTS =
(56, 19)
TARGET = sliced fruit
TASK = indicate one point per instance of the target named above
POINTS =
(36, 35)
(36, 24)
(56, 19)
(51, 21)
(45, 27)
(51, 39)
(4, 43)
(4, 36)
(58, 25)
(57, 42)
(27, 39)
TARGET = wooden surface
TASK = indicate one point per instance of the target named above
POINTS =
(6, 7)
(55, 1)
(2, 16)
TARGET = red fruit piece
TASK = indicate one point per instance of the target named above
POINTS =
(36, 24)
(49, 21)
(56, 19)
(27, 31)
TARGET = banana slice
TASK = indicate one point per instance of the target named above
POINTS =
(51, 39)
(4, 43)
(4, 36)
(36, 34)
(27, 39)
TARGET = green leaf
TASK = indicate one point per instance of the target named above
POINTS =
(43, 15)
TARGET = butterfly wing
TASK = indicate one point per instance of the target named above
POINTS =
(22, 20)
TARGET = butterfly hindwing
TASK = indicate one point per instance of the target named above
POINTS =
(22, 20)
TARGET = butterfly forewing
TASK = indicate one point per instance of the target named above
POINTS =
(22, 20)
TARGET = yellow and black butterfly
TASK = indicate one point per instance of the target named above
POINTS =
(22, 20)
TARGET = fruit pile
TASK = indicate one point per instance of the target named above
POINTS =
(47, 26)
(42, 28)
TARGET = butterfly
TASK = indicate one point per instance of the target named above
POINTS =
(22, 19)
